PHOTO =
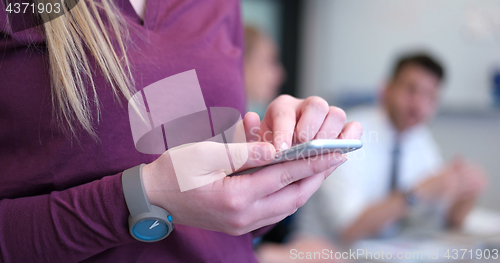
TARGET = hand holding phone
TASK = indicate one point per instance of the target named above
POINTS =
(310, 149)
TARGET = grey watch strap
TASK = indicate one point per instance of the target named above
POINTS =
(135, 194)
(141, 210)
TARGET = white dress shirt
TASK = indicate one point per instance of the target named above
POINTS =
(365, 178)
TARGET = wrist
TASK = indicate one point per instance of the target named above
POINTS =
(148, 184)
(411, 198)
(161, 187)
(398, 199)
(147, 222)
(398, 204)
(424, 192)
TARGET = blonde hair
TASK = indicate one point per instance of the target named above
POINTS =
(68, 38)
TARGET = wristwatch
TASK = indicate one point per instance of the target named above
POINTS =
(147, 223)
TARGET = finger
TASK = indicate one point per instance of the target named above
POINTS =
(275, 177)
(292, 197)
(458, 163)
(333, 124)
(352, 130)
(251, 122)
(281, 205)
(312, 112)
(266, 222)
(249, 155)
(279, 123)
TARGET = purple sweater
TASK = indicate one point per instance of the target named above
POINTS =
(61, 200)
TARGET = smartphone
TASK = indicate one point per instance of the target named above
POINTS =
(310, 149)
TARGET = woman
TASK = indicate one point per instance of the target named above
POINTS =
(263, 71)
(65, 137)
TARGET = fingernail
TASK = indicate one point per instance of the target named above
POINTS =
(344, 159)
(264, 152)
(283, 146)
(335, 162)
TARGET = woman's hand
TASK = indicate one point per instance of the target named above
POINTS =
(239, 204)
(290, 120)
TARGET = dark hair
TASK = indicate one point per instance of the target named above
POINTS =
(423, 60)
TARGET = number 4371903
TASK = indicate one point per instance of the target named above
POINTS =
(39, 8)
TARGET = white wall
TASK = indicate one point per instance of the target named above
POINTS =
(351, 44)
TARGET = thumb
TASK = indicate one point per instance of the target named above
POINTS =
(198, 164)
(249, 155)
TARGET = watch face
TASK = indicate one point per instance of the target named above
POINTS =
(150, 229)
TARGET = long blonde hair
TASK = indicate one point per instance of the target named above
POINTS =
(68, 38)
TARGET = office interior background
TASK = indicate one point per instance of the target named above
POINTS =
(343, 51)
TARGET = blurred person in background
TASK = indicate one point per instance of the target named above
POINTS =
(264, 74)
(263, 71)
(397, 181)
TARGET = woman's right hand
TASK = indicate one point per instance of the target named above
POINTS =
(238, 204)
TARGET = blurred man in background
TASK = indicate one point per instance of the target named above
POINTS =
(263, 71)
(397, 180)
